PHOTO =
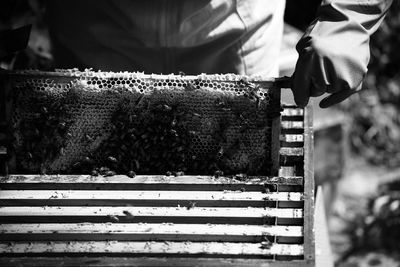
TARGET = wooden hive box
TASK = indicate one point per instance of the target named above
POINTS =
(159, 220)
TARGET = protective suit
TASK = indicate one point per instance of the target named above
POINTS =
(217, 36)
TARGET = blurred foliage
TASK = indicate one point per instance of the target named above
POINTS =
(371, 224)
(375, 132)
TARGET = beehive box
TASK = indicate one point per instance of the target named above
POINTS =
(134, 169)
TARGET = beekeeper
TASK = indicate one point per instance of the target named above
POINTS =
(218, 36)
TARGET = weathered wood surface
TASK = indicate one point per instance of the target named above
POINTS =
(142, 182)
(150, 198)
(265, 261)
(292, 124)
(292, 112)
(132, 212)
(149, 248)
(308, 169)
(146, 232)
(103, 195)
(290, 138)
(157, 215)
(291, 151)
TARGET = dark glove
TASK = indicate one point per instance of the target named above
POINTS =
(12, 41)
(334, 52)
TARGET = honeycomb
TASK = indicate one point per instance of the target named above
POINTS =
(72, 121)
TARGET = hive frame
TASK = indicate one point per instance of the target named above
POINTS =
(301, 165)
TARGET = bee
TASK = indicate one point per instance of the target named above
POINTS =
(44, 110)
(62, 125)
(193, 133)
(241, 176)
(190, 87)
(196, 115)
(266, 244)
(109, 173)
(112, 159)
(192, 205)
(218, 173)
(179, 173)
(104, 170)
(128, 214)
(29, 155)
(113, 218)
(87, 160)
(219, 103)
(131, 174)
(220, 152)
(174, 132)
(174, 122)
(167, 108)
(89, 138)
(252, 91)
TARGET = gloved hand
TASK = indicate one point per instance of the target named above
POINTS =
(12, 41)
(334, 51)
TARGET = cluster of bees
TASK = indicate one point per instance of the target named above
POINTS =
(154, 141)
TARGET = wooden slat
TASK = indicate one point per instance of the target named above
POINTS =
(148, 198)
(188, 215)
(145, 232)
(292, 112)
(148, 248)
(291, 151)
(67, 76)
(292, 124)
(309, 185)
(291, 138)
(142, 182)
(147, 195)
(265, 261)
(287, 171)
(132, 212)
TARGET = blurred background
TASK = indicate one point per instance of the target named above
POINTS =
(357, 143)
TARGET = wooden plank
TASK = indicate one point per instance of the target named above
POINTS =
(148, 195)
(48, 214)
(9, 164)
(148, 248)
(309, 240)
(132, 212)
(291, 151)
(292, 124)
(287, 171)
(265, 261)
(141, 182)
(292, 112)
(275, 144)
(291, 138)
(156, 203)
(145, 198)
(68, 76)
(323, 253)
(147, 231)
